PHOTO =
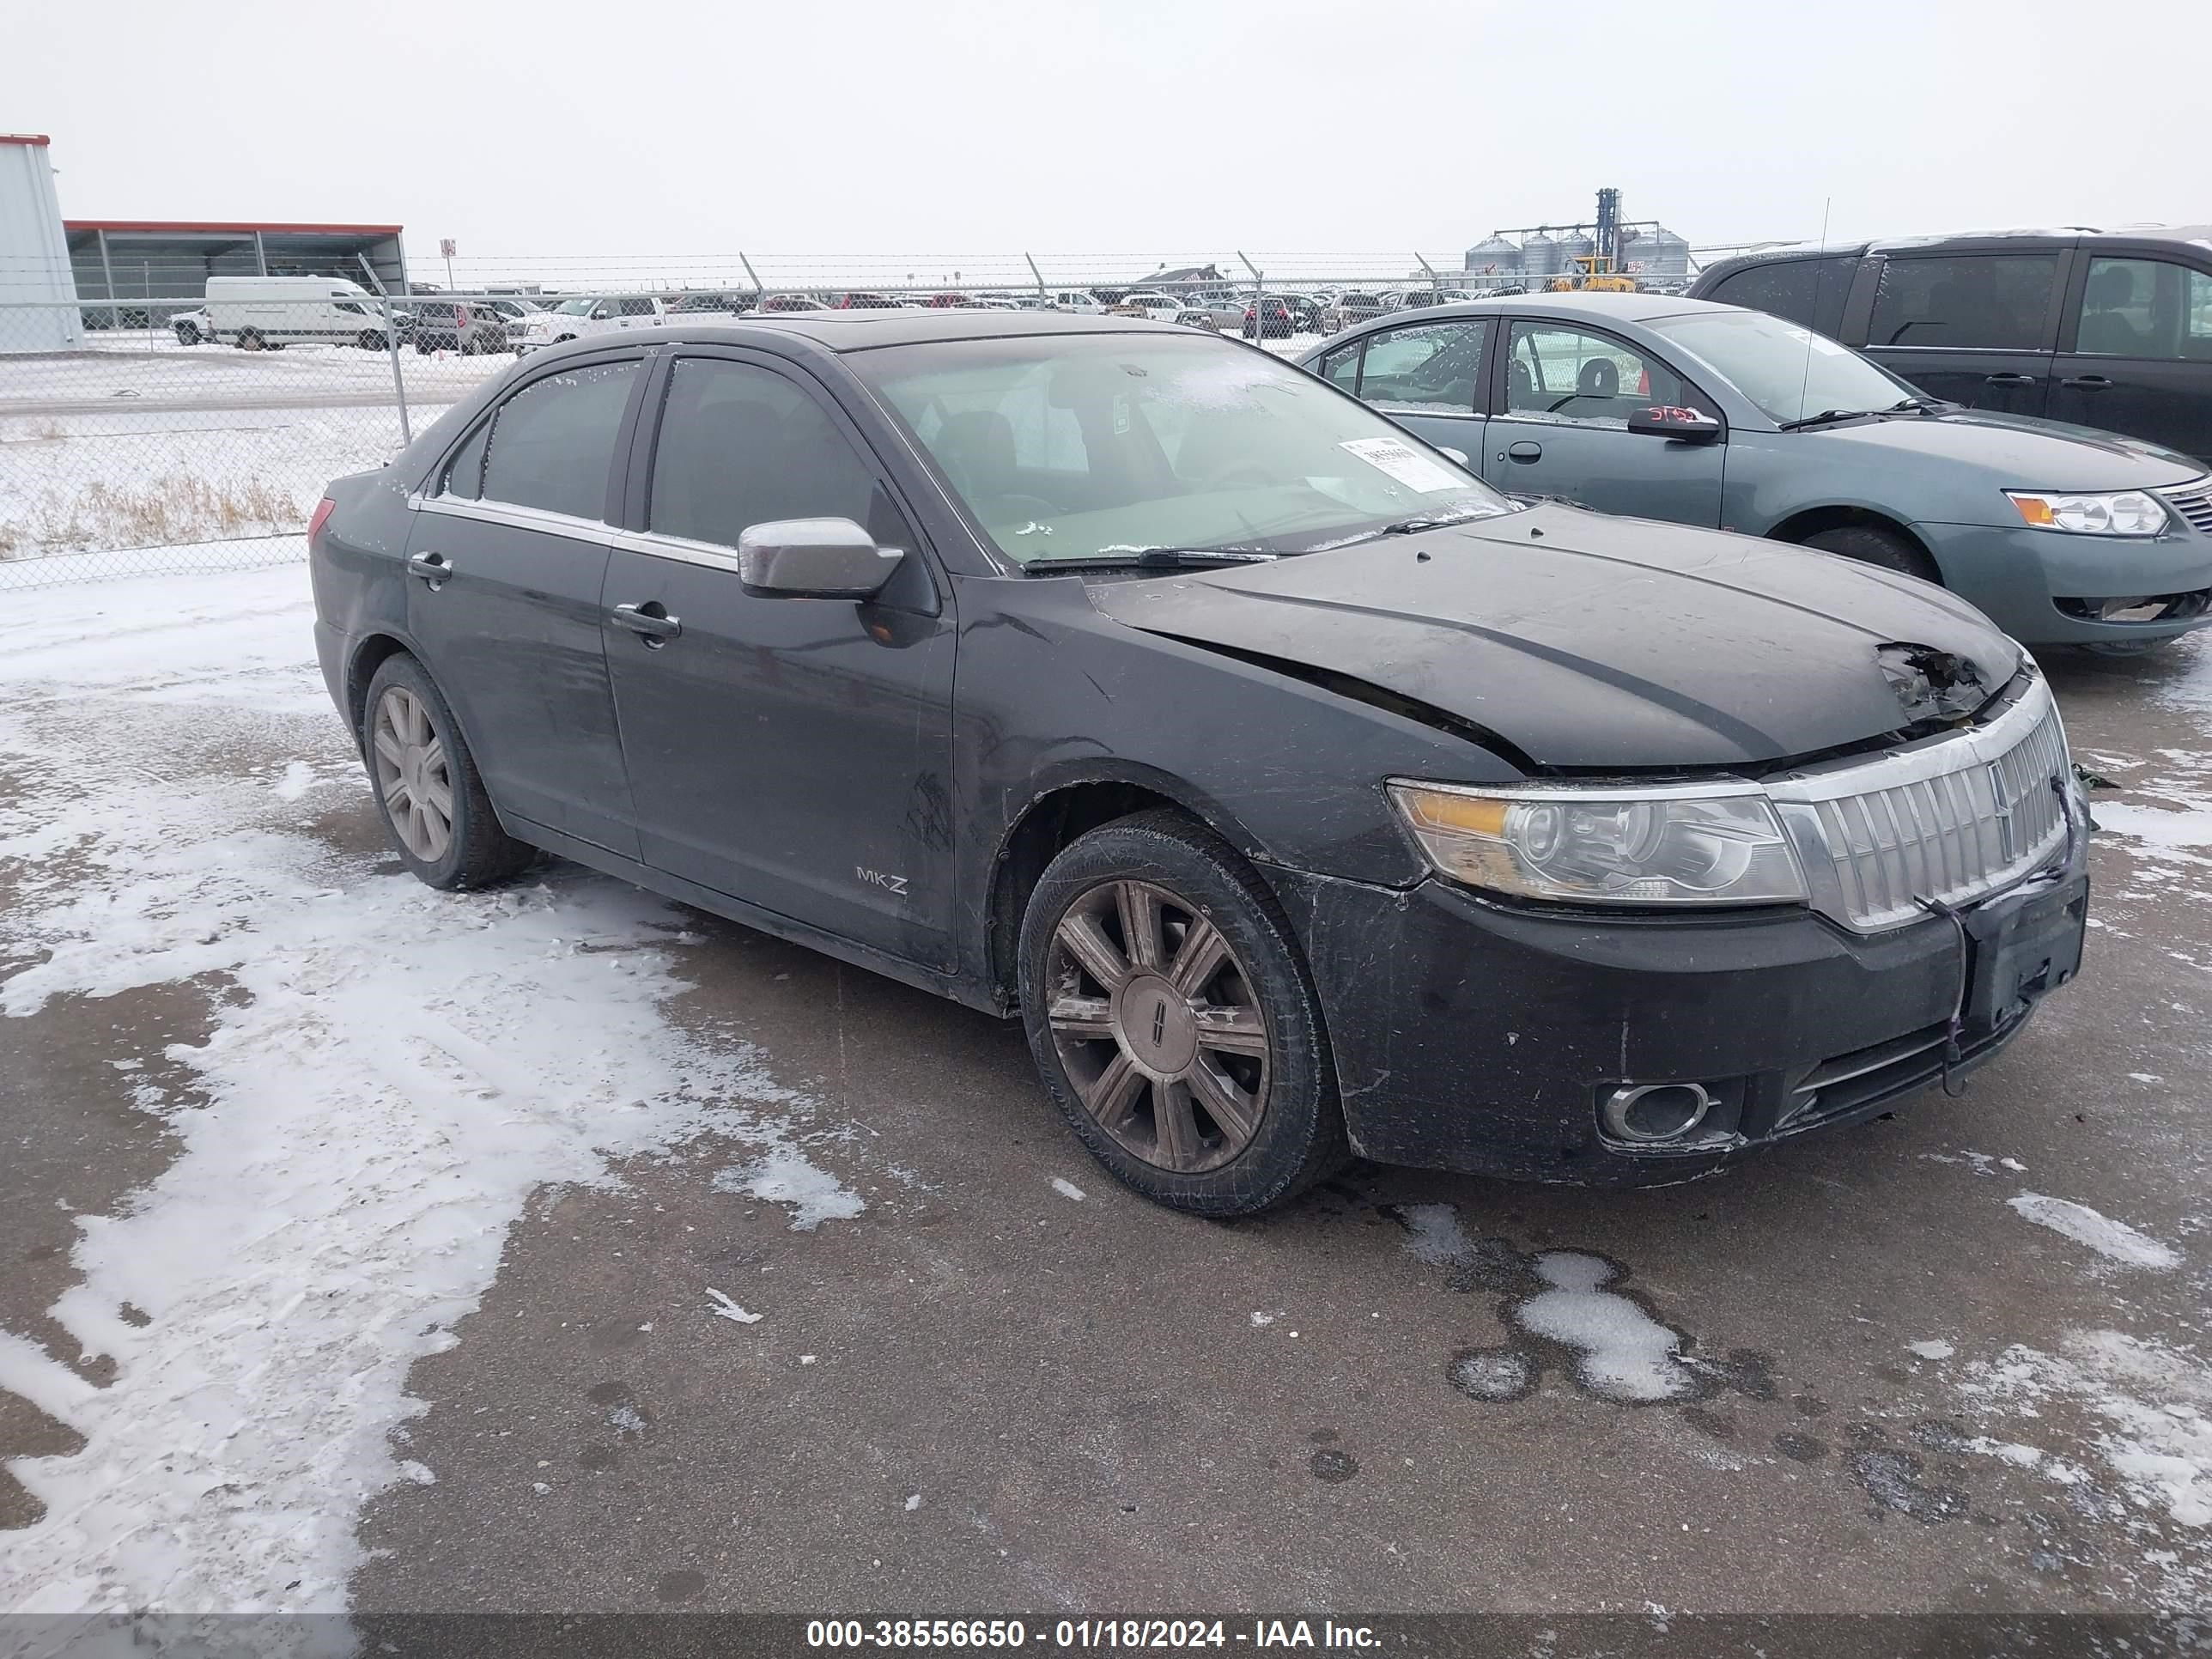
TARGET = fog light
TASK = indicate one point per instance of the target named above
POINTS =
(1651, 1113)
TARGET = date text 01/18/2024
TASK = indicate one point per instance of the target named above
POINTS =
(1087, 1634)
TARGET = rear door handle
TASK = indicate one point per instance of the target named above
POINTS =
(432, 568)
(649, 621)
(2012, 379)
(2087, 382)
(1525, 451)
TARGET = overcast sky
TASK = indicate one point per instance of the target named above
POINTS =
(912, 127)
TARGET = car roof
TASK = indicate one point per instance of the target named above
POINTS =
(1597, 308)
(862, 331)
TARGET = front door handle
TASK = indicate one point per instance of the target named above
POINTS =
(1524, 451)
(2012, 379)
(650, 622)
(432, 568)
(2087, 382)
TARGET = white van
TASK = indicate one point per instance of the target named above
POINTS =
(252, 313)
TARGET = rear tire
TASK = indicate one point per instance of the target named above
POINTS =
(1872, 544)
(1195, 1066)
(370, 340)
(250, 340)
(427, 790)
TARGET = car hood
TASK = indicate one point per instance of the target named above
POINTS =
(1590, 643)
(2023, 453)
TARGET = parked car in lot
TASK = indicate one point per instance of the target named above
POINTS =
(773, 303)
(857, 300)
(1214, 312)
(2105, 329)
(1575, 881)
(1080, 301)
(257, 313)
(578, 318)
(711, 302)
(1287, 314)
(1159, 307)
(192, 327)
(1349, 310)
(1711, 415)
(465, 327)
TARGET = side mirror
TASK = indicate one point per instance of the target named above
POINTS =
(602, 313)
(1459, 455)
(1688, 426)
(813, 559)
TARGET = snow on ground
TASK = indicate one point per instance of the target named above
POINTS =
(217, 374)
(2114, 1240)
(391, 1074)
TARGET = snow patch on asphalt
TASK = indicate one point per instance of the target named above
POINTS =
(1626, 1354)
(391, 1074)
(783, 1175)
(1067, 1188)
(1433, 1234)
(2114, 1240)
(1934, 1349)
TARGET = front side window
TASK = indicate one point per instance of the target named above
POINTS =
(1983, 301)
(2149, 308)
(1574, 375)
(1429, 368)
(741, 445)
(551, 444)
(1079, 447)
(1789, 371)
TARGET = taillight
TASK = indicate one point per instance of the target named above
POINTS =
(322, 515)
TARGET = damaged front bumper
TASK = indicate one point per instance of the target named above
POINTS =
(1477, 1035)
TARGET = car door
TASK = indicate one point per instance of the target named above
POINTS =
(2136, 357)
(1976, 327)
(1428, 377)
(795, 754)
(506, 562)
(1561, 426)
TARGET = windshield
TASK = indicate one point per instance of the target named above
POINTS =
(1790, 372)
(1087, 446)
(576, 307)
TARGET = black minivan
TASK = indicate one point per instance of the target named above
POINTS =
(2104, 329)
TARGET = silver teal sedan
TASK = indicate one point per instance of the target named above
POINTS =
(1666, 408)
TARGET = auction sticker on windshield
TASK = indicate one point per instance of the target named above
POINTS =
(1406, 466)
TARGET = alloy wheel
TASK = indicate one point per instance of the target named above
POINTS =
(413, 774)
(1157, 1026)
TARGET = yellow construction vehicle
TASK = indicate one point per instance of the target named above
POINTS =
(1592, 272)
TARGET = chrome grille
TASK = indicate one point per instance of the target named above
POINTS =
(2194, 504)
(1948, 819)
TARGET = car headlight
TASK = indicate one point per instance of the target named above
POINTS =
(2124, 513)
(1671, 845)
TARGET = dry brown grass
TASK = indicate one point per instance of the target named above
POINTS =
(160, 512)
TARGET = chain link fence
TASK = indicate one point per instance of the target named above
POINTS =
(195, 431)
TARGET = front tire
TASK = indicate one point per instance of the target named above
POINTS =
(1172, 1018)
(428, 789)
(1872, 544)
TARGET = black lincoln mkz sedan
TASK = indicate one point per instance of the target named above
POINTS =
(1305, 796)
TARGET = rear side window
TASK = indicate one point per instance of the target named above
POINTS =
(1987, 301)
(741, 445)
(1807, 292)
(1431, 369)
(552, 443)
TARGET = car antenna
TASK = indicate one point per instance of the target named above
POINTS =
(1819, 276)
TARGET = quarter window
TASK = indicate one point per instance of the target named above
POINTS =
(743, 446)
(2146, 308)
(1341, 366)
(1427, 369)
(552, 443)
(1985, 302)
(1572, 375)
(1809, 292)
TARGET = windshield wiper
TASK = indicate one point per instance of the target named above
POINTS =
(1153, 558)
(1827, 415)
(1924, 406)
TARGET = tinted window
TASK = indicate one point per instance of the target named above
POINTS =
(1992, 301)
(1806, 291)
(1430, 367)
(741, 445)
(553, 441)
(1571, 374)
(2147, 309)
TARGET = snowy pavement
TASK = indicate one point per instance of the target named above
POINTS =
(558, 1248)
